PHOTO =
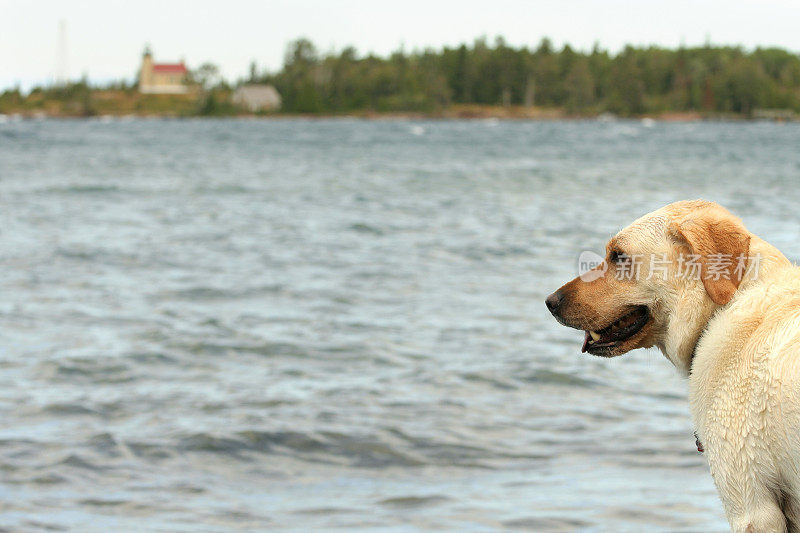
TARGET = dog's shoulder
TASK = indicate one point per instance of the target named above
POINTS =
(750, 350)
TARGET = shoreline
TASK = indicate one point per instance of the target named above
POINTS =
(112, 103)
(123, 104)
(458, 112)
(394, 116)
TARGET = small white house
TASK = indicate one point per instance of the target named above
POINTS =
(257, 97)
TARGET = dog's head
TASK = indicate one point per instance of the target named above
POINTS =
(661, 280)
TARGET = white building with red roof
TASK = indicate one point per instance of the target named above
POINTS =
(162, 78)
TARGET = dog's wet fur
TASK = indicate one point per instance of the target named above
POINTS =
(733, 330)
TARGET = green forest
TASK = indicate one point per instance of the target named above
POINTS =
(470, 80)
(708, 79)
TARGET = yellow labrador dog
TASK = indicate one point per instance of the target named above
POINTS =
(724, 307)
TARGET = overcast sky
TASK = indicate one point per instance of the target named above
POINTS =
(105, 38)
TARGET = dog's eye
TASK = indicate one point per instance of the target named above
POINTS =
(616, 257)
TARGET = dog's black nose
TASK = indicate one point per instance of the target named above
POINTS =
(553, 301)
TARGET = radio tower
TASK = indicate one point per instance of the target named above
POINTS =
(62, 73)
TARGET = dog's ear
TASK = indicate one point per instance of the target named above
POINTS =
(720, 243)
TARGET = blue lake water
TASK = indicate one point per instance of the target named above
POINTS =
(296, 325)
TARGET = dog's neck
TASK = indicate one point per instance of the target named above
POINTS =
(687, 326)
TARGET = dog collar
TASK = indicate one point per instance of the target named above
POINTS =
(698, 443)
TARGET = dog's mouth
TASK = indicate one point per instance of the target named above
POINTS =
(602, 341)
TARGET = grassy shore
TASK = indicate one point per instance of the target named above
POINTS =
(129, 102)
(85, 102)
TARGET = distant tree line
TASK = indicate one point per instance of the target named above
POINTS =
(708, 79)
